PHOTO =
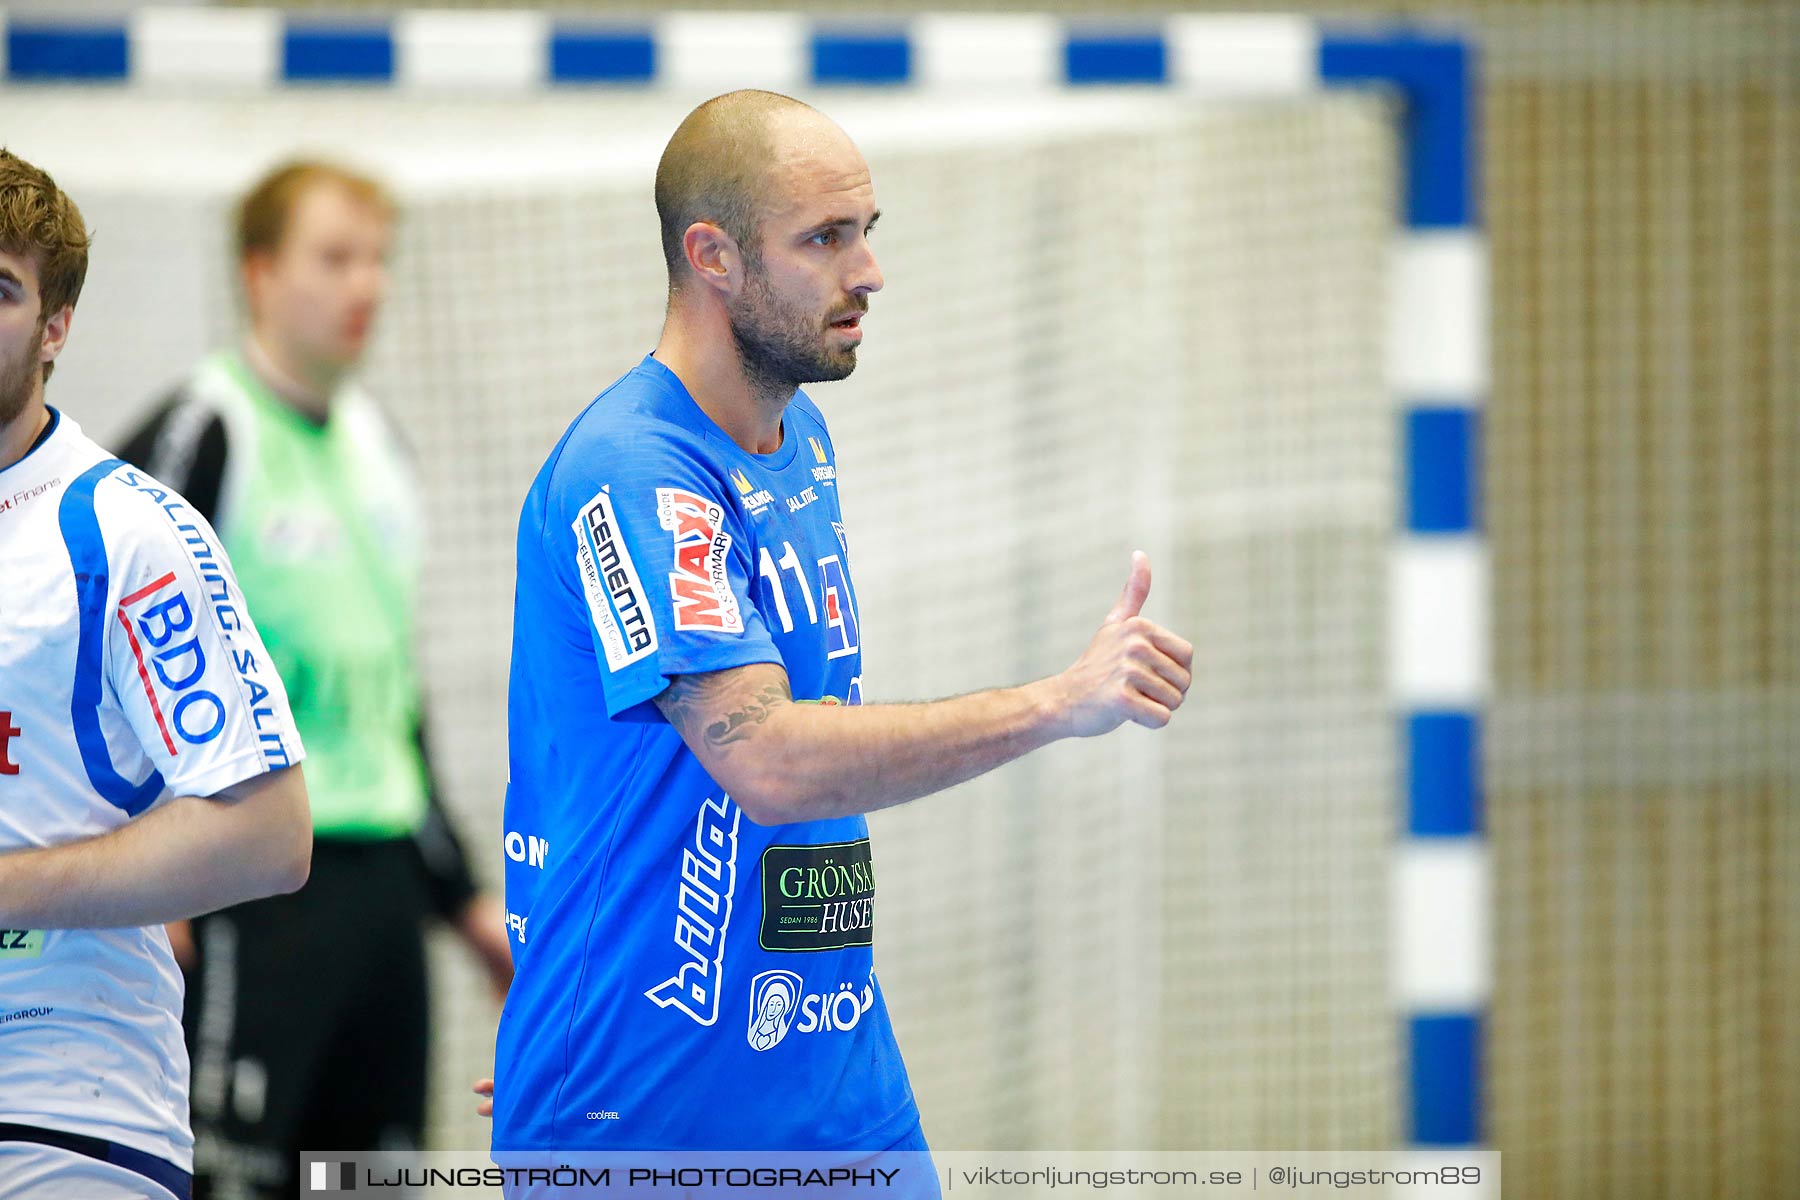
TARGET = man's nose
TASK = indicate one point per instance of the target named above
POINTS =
(867, 277)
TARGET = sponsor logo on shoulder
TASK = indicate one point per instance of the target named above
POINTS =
(824, 473)
(699, 584)
(615, 595)
(159, 617)
(756, 500)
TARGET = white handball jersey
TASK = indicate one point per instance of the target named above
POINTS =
(129, 673)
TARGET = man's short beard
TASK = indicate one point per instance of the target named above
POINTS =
(780, 347)
(16, 380)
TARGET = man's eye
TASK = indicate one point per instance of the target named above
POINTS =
(825, 238)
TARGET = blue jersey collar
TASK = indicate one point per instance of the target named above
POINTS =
(695, 418)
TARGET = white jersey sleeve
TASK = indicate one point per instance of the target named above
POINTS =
(178, 655)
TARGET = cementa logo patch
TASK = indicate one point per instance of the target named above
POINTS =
(609, 579)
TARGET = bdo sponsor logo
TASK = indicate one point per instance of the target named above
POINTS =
(158, 618)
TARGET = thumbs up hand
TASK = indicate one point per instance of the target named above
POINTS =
(1133, 670)
(1137, 589)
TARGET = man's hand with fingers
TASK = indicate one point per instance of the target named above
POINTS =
(485, 1089)
(1133, 670)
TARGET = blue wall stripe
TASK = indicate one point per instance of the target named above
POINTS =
(341, 54)
(1443, 774)
(861, 58)
(92, 53)
(1116, 58)
(1446, 1079)
(602, 56)
(87, 556)
(1434, 74)
(1443, 461)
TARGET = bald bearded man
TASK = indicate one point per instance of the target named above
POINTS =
(689, 879)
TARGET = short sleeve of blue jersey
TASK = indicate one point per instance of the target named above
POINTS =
(659, 553)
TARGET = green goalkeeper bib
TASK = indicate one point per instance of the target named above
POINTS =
(322, 524)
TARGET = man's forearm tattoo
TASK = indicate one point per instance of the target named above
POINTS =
(735, 725)
(691, 699)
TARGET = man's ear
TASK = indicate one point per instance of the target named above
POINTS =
(251, 272)
(56, 333)
(713, 256)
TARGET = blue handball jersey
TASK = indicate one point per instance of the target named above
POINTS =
(686, 979)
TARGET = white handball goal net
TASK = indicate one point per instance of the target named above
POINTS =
(1111, 321)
